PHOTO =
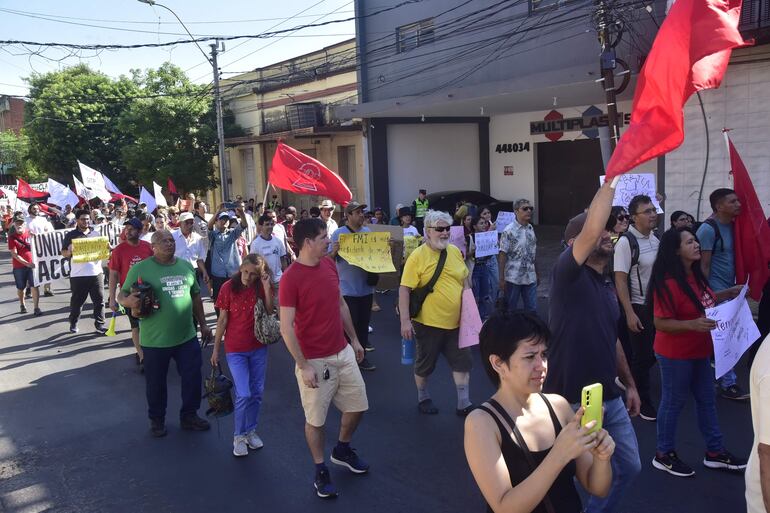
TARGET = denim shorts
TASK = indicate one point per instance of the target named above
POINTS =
(24, 277)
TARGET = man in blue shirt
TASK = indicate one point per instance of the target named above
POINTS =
(225, 260)
(356, 291)
(718, 263)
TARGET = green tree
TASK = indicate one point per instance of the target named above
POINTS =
(15, 157)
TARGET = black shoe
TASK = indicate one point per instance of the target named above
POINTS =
(38, 312)
(648, 412)
(350, 460)
(671, 463)
(100, 328)
(366, 365)
(323, 485)
(48, 293)
(22, 309)
(465, 411)
(194, 423)
(734, 392)
(73, 327)
(158, 428)
(368, 348)
(426, 406)
(724, 460)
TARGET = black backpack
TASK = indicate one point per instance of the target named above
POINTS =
(717, 234)
(633, 244)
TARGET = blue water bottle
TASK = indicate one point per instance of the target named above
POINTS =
(407, 352)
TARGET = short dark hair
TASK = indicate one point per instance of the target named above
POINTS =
(639, 199)
(677, 214)
(263, 218)
(315, 212)
(717, 196)
(81, 211)
(197, 204)
(501, 334)
(307, 229)
(269, 211)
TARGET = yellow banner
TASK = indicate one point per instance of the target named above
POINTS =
(369, 251)
(90, 249)
(410, 244)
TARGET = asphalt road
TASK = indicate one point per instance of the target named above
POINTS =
(74, 435)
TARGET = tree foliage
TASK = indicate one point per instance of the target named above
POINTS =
(15, 157)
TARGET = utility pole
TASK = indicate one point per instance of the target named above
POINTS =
(224, 173)
(607, 64)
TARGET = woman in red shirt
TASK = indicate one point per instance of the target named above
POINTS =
(246, 356)
(680, 294)
(20, 246)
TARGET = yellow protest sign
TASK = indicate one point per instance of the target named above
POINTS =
(410, 244)
(90, 249)
(369, 251)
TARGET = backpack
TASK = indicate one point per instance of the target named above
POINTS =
(717, 234)
(633, 244)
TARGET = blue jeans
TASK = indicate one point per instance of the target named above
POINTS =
(188, 364)
(527, 293)
(493, 273)
(248, 371)
(625, 460)
(481, 289)
(679, 379)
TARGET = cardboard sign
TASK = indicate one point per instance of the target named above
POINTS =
(90, 249)
(369, 251)
(470, 320)
(734, 334)
(486, 244)
(457, 238)
(46, 255)
(631, 185)
(503, 220)
(410, 244)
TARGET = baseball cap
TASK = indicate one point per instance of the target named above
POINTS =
(404, 211)
(18, 217)
(223, 215)
(135, 222)
(186, 216)
(353, 206)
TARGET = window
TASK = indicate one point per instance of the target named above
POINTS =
(414, 35)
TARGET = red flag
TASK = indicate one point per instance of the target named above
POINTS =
(25, 191)
(690, 53)
(171, 187)
(752, 233)
(299, 173)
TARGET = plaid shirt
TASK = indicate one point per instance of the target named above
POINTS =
(519, 244)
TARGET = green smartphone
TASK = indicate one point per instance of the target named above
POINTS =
(591, 401)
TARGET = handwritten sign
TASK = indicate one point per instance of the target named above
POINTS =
(503, 220)
(49, 264)
(486, 244)
(457, 238)
(410, 244)
(369, 251)
(470, 320)
(90, 249)
(734, 334)
(631, 185)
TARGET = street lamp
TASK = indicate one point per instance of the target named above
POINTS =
(154, 3)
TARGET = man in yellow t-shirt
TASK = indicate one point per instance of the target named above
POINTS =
(436, 327)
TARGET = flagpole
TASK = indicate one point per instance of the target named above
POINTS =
(264, 201)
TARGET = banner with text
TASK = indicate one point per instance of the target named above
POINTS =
(369, 251)
(486, 244)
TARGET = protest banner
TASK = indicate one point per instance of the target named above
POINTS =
(486, 244)
(111, 231)
(46, 255)
(410, 244)
(457, 238)
(39, 187)
(470, 320)
(90, 249)
(734, 333)
(368, 250)
(631, 185)
(504, 219)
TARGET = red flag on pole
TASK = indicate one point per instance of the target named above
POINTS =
(752, 233)
(294, 171)
(171, 187)
(25, 191)
(690, 53)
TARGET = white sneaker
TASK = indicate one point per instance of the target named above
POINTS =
(254, 441)
(371, 329)
(239, 446)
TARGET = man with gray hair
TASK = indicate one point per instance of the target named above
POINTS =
(516, 259)
(435, 327)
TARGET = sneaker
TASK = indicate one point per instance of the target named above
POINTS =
(239, 446)
(22, 309)
(368, 348)
(370, 329)
(620, 384)
(38, 312)
(350, 460)
(724, 460)
(323, 485)
(671, 463)
(48, 293)
(734, 392)
(254, 441)
(366, 365)
(158, 428)
(100, 328)
(73, 327)
(194, 423)
(648, 412)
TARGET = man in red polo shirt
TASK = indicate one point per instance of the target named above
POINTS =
(123, 257)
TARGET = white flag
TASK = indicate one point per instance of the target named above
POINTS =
(83, 191)
(13, 200)
(148, 199)
(61, 195)
(94, 180)
(110, 186)
(160, 199)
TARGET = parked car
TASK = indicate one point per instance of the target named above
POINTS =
(447, 201)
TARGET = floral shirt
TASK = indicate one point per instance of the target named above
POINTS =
(519, 244)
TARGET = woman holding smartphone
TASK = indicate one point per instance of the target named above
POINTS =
(680, 294)
(524, 447)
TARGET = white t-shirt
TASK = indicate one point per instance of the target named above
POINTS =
(760, 418)
(411, 230)
(191, 249)
(648, 251)
(39, 224)
(331, 226)
(280, 232)
(272, 250)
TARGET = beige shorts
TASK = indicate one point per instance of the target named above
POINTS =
(345, 387)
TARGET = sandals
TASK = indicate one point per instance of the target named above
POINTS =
(427, 407)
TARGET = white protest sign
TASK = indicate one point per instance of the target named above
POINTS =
(631, 185)
(94, 180)
(61, 195)
(734, 334)
(486, 244)
(503, 220)
(160, 199)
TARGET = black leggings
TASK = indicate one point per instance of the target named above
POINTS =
(360, 312)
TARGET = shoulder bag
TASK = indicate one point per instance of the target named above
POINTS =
(418, 295)
(267, 327)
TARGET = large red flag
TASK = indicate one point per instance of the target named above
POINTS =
(25, 191)
(294, 171)
(752, 233)
(690, 53)
(171, 187)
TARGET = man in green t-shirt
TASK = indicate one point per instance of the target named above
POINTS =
(168, 333)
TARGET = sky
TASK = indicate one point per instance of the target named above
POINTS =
(132, 22)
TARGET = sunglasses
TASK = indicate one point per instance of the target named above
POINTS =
(527, 209)
(623, 217)
(441, 229)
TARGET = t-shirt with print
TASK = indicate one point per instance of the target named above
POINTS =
(687, 345)
(722, 272)
(441, 308)
(239, 333)
(86, 268)
(314, 292)
(411, 231)
(125, 256)
(648, 251)
(519, 244)
(173, 285)
(22, 243)
(583, 318)
(272, 250)
(352, 278)
(759, 382)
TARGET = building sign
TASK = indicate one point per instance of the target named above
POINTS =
(507, 170)
(555, 124)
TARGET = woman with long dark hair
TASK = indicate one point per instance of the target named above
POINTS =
(480, 271)
(680, 294)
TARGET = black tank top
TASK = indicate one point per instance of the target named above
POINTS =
(562, 493)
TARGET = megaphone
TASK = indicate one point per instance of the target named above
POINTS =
(111, 329)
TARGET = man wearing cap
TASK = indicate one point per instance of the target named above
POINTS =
(584, 348)
(124, 256)
(190, 247)
(356, 291)
(225, 260)
(327, 209)
(419, 207)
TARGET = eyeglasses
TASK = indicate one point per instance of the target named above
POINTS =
(440, 229)
(527, 209)
(648, 212)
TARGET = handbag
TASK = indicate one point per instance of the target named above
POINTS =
(218, 393)
(267, 327)
(418, 295)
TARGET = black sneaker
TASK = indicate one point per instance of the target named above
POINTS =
(73, 327)
(734, 392)
(38, 312)
(366, 365)
(724, 460)
(158, 428)
(368, 348)
(194, 423)
(100, 328)
(48, 293)
(350, 460)
(323, 485)
(22, 309)
(671, 463)
(648, 412)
